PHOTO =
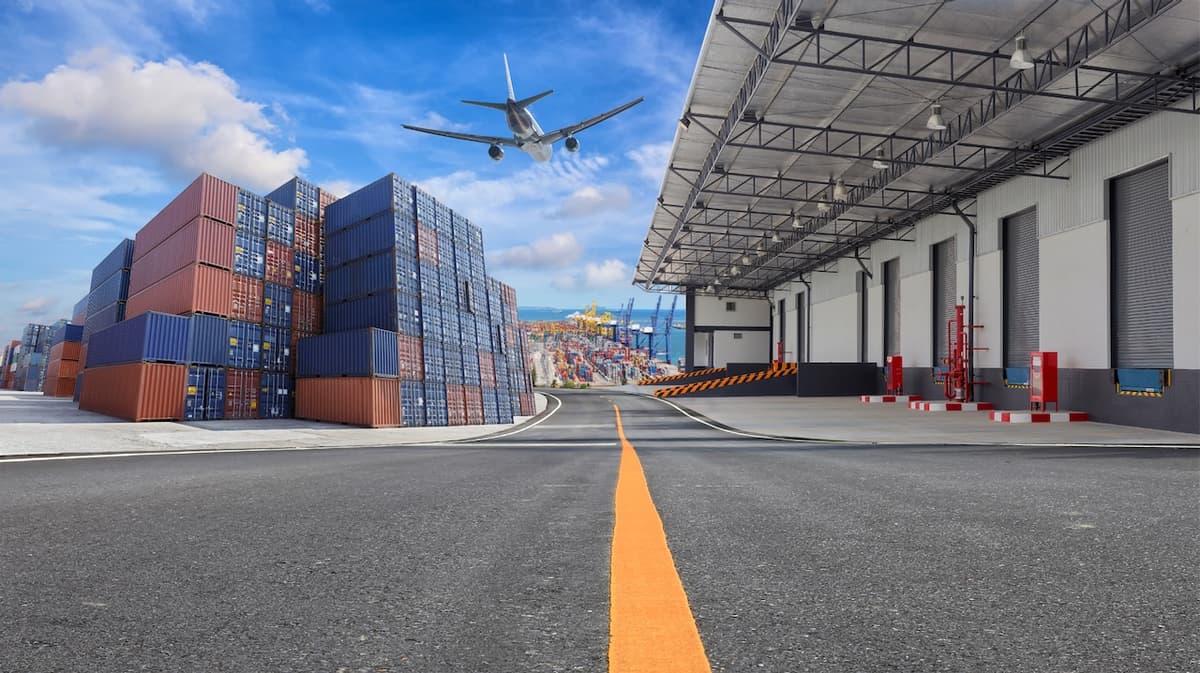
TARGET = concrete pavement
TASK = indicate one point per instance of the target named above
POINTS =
(32, 424)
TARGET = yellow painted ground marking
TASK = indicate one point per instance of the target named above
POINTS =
(651, 627)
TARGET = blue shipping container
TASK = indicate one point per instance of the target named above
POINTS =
(120, 258)
(381, 233)
(207, 340)
(215, 410)
(149, 337)
(249, 254)
(69, 332)
(299, 195)
(392, 311)
(281, 224)
(245, 340)
(307, 276)
(277, 305)
(252, 214)
(113, 289)
(276, 351)
(412, 403)
(361, 352)
(103, 319)
(387, 193)
(382, 272)
(275, 398)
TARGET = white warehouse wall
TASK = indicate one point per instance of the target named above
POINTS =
(1185, 266)
(1074, 296)
(710, 312)
(734, 346)
(835, 330)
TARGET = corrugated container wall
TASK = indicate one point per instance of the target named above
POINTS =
(149, 337)
(121, 257)
(207, 196)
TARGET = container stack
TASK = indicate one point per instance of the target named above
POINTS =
(406, 278)
(31, 358)
(8, 365)
(106, 302)
(63, 366)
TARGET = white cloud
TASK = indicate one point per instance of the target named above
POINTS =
(318, 6)
(607, 273)
(479, 198)
(595, 276)
(594, 199)
(339, 188)
(651, 160)
(188, 116)
(555, 252)
(37, 306)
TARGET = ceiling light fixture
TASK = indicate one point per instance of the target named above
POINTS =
(822, 207)
(775, 238)
(935, 121)
(880, 161)
(795, 220)
(1020, 58)
(734, 270)
(746, 260)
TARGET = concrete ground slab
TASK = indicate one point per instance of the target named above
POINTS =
(32, 424)
(848, 420)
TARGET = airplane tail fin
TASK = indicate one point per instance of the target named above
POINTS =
(508, 76)
(526, 102)
(494, 106)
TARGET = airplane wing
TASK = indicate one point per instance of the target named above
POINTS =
(555, 136)
(487, 140)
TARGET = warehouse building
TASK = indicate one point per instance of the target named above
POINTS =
(846, 175)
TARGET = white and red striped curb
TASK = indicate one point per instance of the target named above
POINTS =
(1039, 416)
(887, 399)
(950, 406)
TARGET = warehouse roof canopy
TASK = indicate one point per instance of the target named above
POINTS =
(811, 129)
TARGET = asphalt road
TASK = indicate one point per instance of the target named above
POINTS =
(494, 556)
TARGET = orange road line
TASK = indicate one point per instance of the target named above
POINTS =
(651, 628)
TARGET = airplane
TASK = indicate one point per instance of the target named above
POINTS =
(527, 134)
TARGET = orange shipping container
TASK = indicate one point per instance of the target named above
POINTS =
(139, 391)
(207, 196)
(247, 299)
(473, 403)
(193, 289)
(200, 241)
(412, 358)
(66, 350)
(280, 260)
(308, 235)
(52, 368)
(370, 402)
(59, 387)
(83, 356)
(487, 369)
(306, 312)
(427, 244)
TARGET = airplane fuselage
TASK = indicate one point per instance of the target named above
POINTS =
(527, 132)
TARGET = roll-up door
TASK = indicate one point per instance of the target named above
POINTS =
(891, 307)
(1140, 210)
(1021, 288)
(945, 280)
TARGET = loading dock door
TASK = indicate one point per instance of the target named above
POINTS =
(1140, 209)
(891, 307)
(1021, 287)
(945, 294)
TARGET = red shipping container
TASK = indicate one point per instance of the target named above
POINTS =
(59, 387)
(370, 402)
(200, 241)
(52, 367)
(139, 391)
(528, 405)
(412, 358)
(207, 196)
(280, 261)
(324, 198)
(306, 312)
(193, 289)
(66, 350)
(427, 244)
(83, 356)
(246, 299)
(241, 393)
(487, 369)
(473, 404)
(308, 235)
(456, 404)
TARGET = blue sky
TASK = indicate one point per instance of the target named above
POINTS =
(109, 107)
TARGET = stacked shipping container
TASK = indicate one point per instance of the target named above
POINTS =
(30, 358)
(63, 367)
(202, 315)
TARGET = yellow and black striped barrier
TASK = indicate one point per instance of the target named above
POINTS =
(682, 376)
(788, 369)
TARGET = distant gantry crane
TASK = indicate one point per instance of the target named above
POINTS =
(668, 327)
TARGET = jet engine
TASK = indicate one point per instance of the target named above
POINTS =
(496, 153)
(571, 143)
